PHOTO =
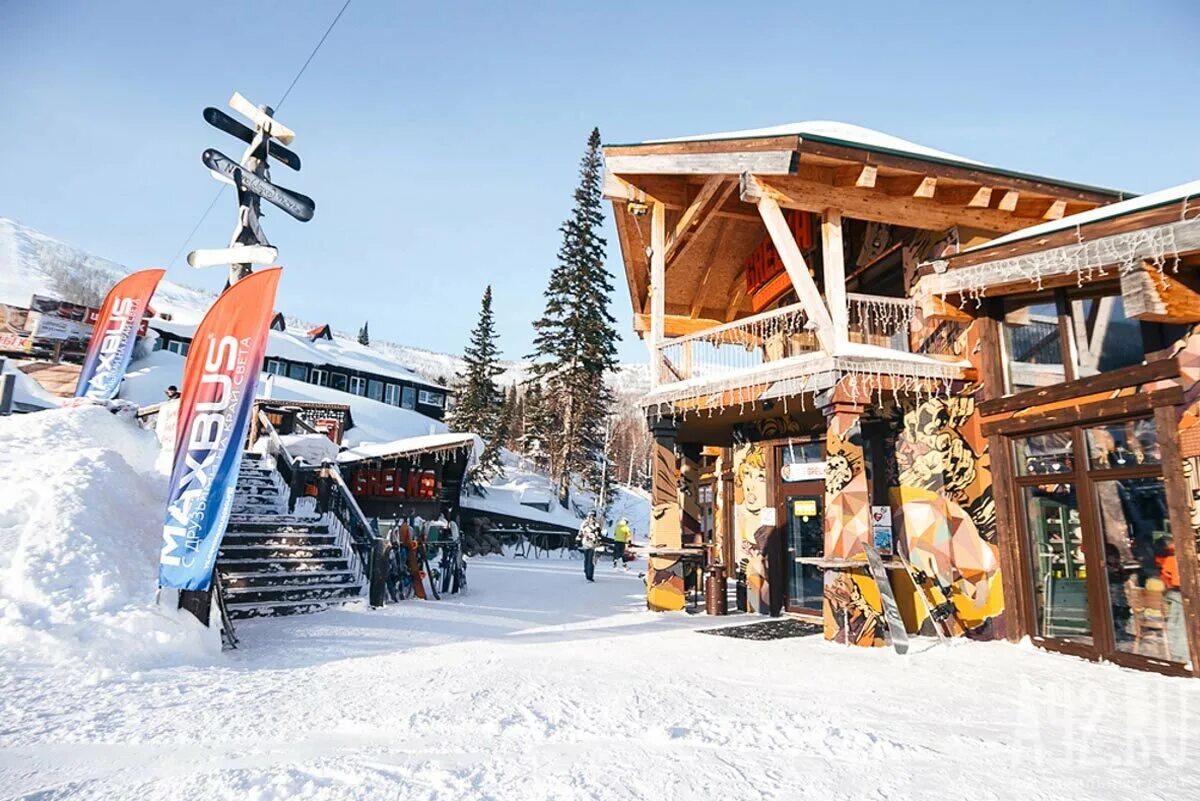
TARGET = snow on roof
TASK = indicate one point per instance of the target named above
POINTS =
(1160, 198)
(299, 345)
(414, 445)
(829, 129)
(373, 421)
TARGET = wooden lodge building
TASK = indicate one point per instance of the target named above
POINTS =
(994, 376)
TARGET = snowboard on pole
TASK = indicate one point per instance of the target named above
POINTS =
(299, 206)
(222, 121)
(891, 612)
(261, 119)
(237, 254)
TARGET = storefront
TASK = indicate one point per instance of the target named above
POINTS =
(1092, 426)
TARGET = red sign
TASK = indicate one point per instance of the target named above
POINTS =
(394, 482)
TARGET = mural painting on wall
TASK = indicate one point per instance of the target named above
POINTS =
(749, 498)
(689, 495)
(943, 509)
(664, 574)
(852, 609)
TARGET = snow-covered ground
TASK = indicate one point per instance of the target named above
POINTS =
(537, 685)
(532, 685)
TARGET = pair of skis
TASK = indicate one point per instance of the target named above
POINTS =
(940, 613)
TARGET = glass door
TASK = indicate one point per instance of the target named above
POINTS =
(805, 542)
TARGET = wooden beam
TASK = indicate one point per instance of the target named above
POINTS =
(676, 325)
(981, 199)
(797, 268)
(926, 188)
(768, 162)
(834, 266)
(735, 300)
(698, 216)
(1155, 296)
(658, 293)
(866, 177)
(879, 206)
(1009, 201)
(1056, 211)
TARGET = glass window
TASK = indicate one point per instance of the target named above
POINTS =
(431, 398)
(1105, 338)
(318, 377)
(1059, 575)
(1043, 454)
(339, 381)
(1130, 443)
(392, 394)
(1033, 346)
(1141, 569)
(375, 389)
(358, 385)
(298, 372)
(275, 367)
(408, 398)
(801, 461)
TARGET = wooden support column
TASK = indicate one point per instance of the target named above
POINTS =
(833, 257)
(793, 259)
(664, 576)
(1179, 512)
(658, 295)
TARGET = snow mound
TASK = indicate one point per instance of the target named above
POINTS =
(80, 520)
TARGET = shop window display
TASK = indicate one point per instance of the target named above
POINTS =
(1059, 574)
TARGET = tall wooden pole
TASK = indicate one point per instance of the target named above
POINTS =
(658, 295)
(833, 258)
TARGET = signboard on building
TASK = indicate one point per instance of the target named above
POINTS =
(803, 471)
(394, 482)
(881, 528)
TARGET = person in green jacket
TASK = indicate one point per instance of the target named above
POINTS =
(621, 537)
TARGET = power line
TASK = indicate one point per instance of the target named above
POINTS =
(292, 85)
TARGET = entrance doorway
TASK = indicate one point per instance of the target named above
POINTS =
(800, 506)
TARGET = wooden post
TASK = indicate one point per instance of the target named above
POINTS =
(797, 269)
(833, 258)
(664, 575)
(658, 295)
(1179, 501)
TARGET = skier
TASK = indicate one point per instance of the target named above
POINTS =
(621, 537)
(589, 538)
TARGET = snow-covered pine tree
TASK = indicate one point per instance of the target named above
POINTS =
(575, 339)
(364, 336)
(478, 398)
(537, 422)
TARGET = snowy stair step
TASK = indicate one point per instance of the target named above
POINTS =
(274, 538)
(273, 579)
(248, 611)
(284, 525)
(281, 567)
(232, 552)
(235, 596)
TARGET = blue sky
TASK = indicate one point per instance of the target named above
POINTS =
(441, 140)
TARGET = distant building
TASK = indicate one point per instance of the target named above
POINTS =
(316, 357)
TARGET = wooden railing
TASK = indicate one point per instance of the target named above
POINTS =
(757, 341)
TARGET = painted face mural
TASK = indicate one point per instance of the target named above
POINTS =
(749, 496)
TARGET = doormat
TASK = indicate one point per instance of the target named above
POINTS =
(768, 630)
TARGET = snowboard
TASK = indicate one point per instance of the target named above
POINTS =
(891, 612)
(429, 572)
(414, 565)
(299, 206)
(222, 121)
(941, 613)
(236, 254)
(260, 118)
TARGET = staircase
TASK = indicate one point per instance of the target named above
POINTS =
(273, 562)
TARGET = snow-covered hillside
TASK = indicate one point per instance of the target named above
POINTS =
(22, 274)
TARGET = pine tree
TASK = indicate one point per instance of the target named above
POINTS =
(575, 339)
(478, 398)
(364, 336)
